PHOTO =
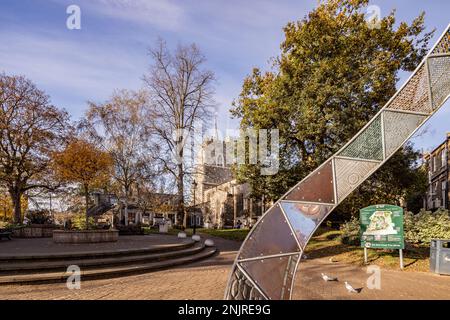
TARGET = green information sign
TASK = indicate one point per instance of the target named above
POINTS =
(382, 227)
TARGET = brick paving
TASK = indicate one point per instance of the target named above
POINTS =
(207, 280)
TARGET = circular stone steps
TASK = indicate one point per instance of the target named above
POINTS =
(26, 257)
(32, 269)
(90, 263)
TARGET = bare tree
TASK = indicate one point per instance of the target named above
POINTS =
(120, 126)
(30, 130)
(181, 94)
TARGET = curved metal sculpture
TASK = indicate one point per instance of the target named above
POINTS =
(266, 264)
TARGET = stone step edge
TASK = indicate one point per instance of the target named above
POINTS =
(93, 254)
(89, 263)
(108, 273)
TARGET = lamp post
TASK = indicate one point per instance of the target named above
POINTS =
(194, 185)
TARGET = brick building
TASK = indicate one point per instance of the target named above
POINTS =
(438, 176)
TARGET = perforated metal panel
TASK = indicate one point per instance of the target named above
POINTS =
(350, 173)
(304, 217)
(397, 128)
(414, 95)
(444, 45)
(281, 270)
(272, 225)
(439, 69)
(241, 288)
(368, 144)
(318, 187)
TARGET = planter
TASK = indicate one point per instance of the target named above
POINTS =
(85, 236)
(164, 228)
(35, 231)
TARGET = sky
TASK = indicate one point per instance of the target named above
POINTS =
(110, 51)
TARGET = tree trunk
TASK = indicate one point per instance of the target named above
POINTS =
(86, 199)
(125, 218)
(16, 196)
(180, 191)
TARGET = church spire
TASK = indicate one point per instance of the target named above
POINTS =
(216, 130)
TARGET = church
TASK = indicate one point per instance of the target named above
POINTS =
(220, 201)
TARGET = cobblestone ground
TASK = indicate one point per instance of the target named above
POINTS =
(207, 280)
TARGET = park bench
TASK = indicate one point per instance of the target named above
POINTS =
(5, 234)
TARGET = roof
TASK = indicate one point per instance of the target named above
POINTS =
(438, 147)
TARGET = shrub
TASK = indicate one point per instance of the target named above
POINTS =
(7, 225)
(350, 232)
(179, 227)
(78, 222)
(418, 228)
(131, 229)
(4, 225)
(422, 227)
(39, 217)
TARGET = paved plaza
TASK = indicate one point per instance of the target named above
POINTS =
(207, 280)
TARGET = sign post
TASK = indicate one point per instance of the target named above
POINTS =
(381, 226)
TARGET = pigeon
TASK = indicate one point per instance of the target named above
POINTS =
(327, 278)
(350, 288)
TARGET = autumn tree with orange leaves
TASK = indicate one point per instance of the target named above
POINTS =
(83, 163)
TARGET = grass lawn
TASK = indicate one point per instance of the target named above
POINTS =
(230, 234)
(326, 243)
(148, 230)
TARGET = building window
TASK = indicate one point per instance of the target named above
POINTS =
(434, 163)
(444, 188)
(220, 161)
(240, 204)
(444, 157)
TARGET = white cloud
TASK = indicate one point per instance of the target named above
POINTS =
(161, 13)
(83, 70)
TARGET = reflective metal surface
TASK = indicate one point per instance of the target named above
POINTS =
(273, 226)
(281, 270)
(317, 187)
(304, 218)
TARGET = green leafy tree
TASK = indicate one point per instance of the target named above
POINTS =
(333, 74)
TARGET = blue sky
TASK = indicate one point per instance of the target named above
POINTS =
(110, 50)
